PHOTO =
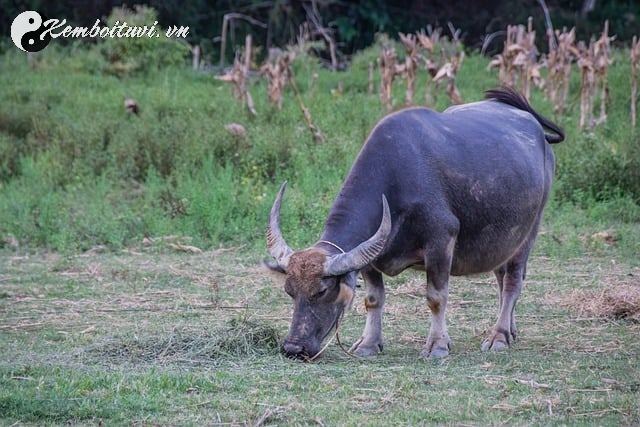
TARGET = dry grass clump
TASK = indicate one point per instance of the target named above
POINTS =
(246, 337)
(239, 337)
(619, 300)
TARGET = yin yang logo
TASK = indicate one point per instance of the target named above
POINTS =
(27, 31)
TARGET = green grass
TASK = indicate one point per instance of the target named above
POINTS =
(153, 336)
(80, 172)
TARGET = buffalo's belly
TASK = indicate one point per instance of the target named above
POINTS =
(484, 250)
(488, 249)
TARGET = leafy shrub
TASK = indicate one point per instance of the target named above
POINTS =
(127, 55)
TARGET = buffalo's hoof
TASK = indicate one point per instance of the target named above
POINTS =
(498, 340)
(435, 353)
(494, 345)
(363, 349)
(436, 349)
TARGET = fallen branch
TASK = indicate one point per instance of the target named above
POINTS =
(185, 248)
(317, 133)
(267, 414)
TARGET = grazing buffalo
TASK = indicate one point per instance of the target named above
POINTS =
(453, 193)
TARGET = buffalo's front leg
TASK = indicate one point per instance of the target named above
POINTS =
(438, 266)
(371, 343)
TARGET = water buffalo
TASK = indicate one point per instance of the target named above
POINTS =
(453, 193)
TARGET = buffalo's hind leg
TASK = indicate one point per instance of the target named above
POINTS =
(371, 343)
(510, 278)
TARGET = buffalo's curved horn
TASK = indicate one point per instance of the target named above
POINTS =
(276, 244)
(365, 252)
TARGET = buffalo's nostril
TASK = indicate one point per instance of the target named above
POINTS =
(293, 350)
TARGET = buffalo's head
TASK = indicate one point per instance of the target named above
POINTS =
(321, 285)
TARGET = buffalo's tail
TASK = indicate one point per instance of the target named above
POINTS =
(509, 96)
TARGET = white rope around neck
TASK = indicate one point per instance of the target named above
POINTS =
(332, 244)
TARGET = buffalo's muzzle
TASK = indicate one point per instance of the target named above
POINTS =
(295, 351)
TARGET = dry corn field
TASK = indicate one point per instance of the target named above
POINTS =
(520, 65)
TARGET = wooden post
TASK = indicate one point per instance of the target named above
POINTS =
(634, 55)
(195, 51)
(223, 39)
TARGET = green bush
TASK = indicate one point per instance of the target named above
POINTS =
(126, 55)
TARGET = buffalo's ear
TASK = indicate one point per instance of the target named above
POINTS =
(273, 266)
(350, 279)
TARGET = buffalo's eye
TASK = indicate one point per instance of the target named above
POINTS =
(320, 294)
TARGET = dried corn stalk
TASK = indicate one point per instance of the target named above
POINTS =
(387, 63)
(561, 55)
(634, 55)
(370, 87)
(278, 72)
(421, 49)
(428, 43)
(409, 68)
(527, 63)
(602, 61)
(278, 75)
(451, 57)
(507, 74)
(594, 62)
(238, 76)
(518, 61)
(587, 84)
(448, 71)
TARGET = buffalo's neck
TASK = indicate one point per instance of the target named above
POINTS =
(353, 218)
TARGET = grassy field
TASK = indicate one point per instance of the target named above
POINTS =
(109, 316)
(77, 171)
(156, 336)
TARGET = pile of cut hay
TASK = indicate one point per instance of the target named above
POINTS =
(614, 301)
(246, 337)
(239, 337)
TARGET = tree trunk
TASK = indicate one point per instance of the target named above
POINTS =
(587, 6)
